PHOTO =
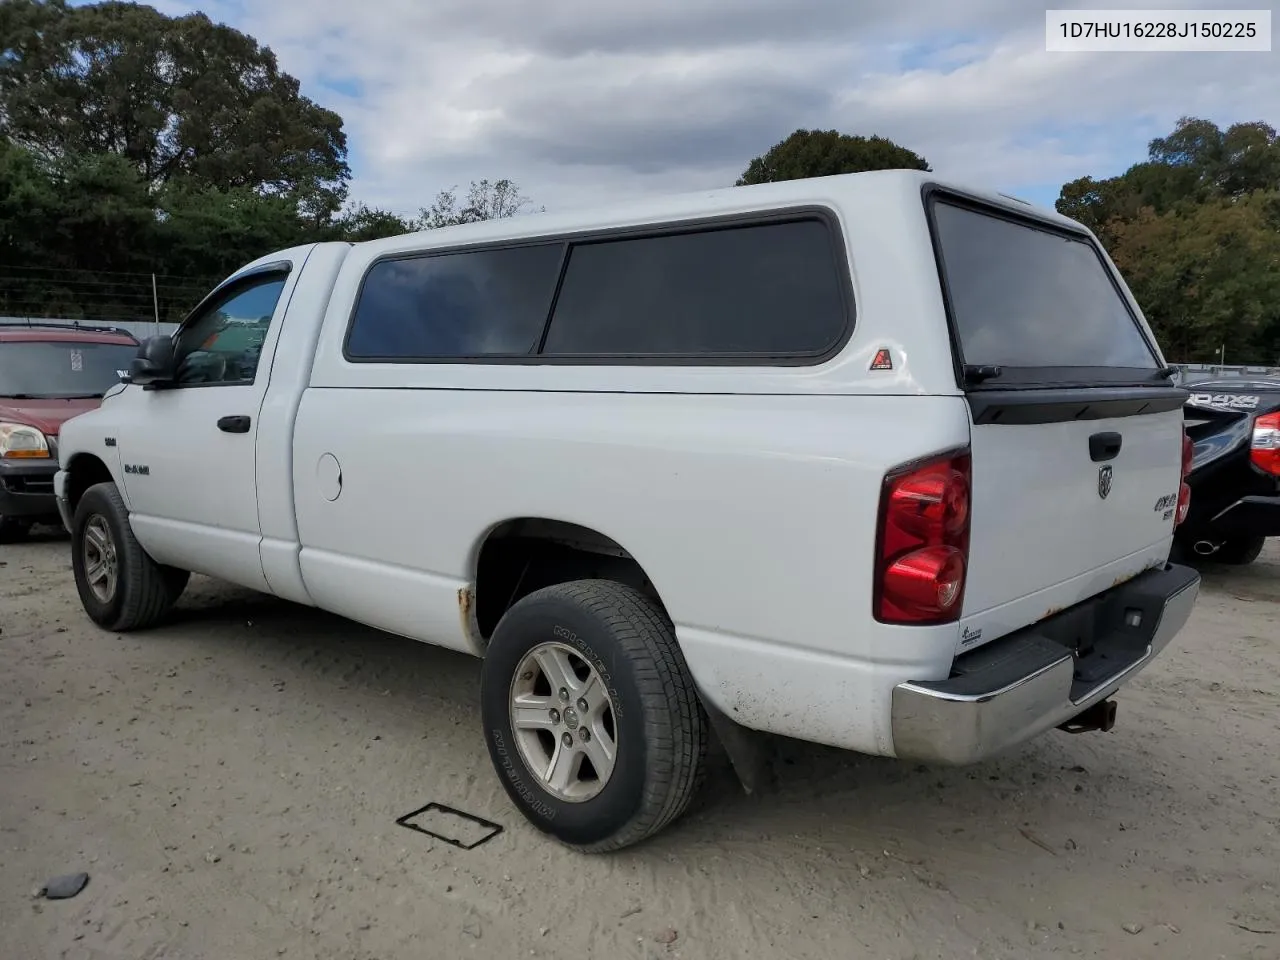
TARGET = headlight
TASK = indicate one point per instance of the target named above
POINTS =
(20, 441)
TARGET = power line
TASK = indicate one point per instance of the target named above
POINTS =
(59, 284)
(143, 277)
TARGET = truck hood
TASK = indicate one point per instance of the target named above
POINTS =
(48, 416)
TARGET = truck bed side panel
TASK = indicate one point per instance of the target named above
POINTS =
(690, 486)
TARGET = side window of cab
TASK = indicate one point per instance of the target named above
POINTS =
(221, 344)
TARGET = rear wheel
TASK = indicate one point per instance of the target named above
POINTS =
(121, 588)
(591, 717)
(1240, 551)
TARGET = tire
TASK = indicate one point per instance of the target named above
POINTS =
(142, 590)
(13, 530)
(659, 729)
(1240, 551)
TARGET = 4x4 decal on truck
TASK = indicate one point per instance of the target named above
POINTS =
(139, 468)
(1227, 400)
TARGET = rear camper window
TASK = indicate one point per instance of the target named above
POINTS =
(1033, 300)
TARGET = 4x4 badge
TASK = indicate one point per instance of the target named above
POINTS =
(1104, 480)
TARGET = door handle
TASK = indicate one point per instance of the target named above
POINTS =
(1104, 446)
(237, 424)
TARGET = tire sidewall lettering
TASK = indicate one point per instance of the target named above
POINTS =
(512, 773)
(568, 636)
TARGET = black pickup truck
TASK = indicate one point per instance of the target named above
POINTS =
(1235, 470)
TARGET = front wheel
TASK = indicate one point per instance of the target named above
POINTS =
(591, 717)
(121, 588)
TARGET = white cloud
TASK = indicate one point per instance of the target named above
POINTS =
(580, 103)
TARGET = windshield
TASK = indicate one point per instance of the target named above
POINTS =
(55, 369)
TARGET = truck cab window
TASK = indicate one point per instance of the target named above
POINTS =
(223, 343)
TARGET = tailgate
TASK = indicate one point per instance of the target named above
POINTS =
(1076, 435)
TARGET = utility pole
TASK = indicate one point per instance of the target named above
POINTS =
(155, 303)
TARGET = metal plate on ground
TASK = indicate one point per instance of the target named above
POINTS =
(463, 830)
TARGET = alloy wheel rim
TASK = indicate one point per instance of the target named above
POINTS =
(564, 721)
(101, 565)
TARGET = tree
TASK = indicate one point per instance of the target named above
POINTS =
(485, 201)
(204, 231)
(362, 223)
(175, 96)
(822, 153)
(1207, 276)
(1195, 229)
(1232, 162)
(1195, 163)
(81, 237)
(1156, 186)
(27, 204)
(134, 143)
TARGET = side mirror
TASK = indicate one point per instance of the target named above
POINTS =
(153, 366)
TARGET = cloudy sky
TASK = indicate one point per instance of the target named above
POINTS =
(579, 101)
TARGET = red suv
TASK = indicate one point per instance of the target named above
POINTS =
(48, 374)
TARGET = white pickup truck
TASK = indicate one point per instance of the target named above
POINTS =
(871, 461)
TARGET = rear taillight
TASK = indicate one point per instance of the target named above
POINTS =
(1265, 452)
(922, 548)
(1184, 491)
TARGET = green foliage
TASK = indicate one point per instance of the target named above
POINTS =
(203, 230)
(823, 153)
(27, 199)
(175, 96)
(1196, 232)
(362, 223)
(133, 144)
(1206, 276)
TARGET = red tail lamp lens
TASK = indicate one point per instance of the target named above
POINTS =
(1265, 452)
(1184, 491)
(922, 554)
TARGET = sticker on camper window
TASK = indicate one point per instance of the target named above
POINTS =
(882, 360)
(77, 361)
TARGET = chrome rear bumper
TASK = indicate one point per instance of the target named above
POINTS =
(1044, 675)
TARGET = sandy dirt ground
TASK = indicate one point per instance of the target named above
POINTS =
(232, 780)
